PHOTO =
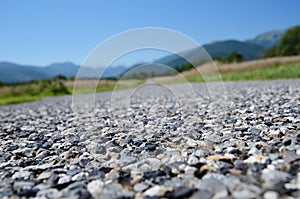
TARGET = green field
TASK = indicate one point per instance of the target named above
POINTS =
(289, 71)
(37, 90)
(18, 99)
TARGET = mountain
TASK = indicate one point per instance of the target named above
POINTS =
(267, 39)
(115, 71)
(144, 70)
(11, 73)
(175, 60)
(14, 73)
(216, 49)
(68, 69)
(250, 49)
(224, 48)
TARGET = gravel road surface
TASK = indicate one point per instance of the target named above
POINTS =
(156, 142)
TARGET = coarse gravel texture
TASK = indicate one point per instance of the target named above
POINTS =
(245, 144)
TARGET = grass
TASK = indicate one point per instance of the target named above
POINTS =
(103, 85)
(37, 90)
(91, 90)
(19, 99)
(286, 71)
(31, 91)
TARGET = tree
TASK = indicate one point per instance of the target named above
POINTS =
(290, 42)
(235, 57)
(184, 67)
(270, 52)
(60, 77)
(59, 88)
(232, 57)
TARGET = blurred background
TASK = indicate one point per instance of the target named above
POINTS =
(44, 43)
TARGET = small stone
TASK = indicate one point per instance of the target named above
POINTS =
(83, 162)
(271, 195)
(234, 151)
(275, 176)
(79, 177)
(42, 155)
(76, 190)
(275, 134)
(203, 194)
(221, 194)
(94, 187)
(48, 193)
(175, 171)
(212, 184)
(243, 194)
(157, 190)
(242, 129)
(201, 153)
(218, 158)
(204, 169)
(180, 192)
(101, 190)
(254, 159)
(99, 150)
(191, 143)
(125, 142)
(255, 131)
(21, 175)
(73, 172)
(189, 171)
(126, 159)
(64, 179)
(140, 187)
(154, 174)
(45, 175)
(235, 171)
(161, 156)
(214, 138)
(192, 160)
(287, 141)
(18, 185)
(268, 123)
(27, 152)
(151, 147)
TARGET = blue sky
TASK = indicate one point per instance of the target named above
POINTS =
(43, 32)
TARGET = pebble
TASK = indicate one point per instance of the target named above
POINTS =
(275, 176)
(218, 158)
(270, 195)
(243, 194)
(154, 149)
(157, 190)
(48, 193)
(180, 192)
(100, 190)
(140, 187)
(203, 194)
(45, 175)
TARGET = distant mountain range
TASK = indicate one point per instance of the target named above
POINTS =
(13, 73)
(268, 39)
(251, 49)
